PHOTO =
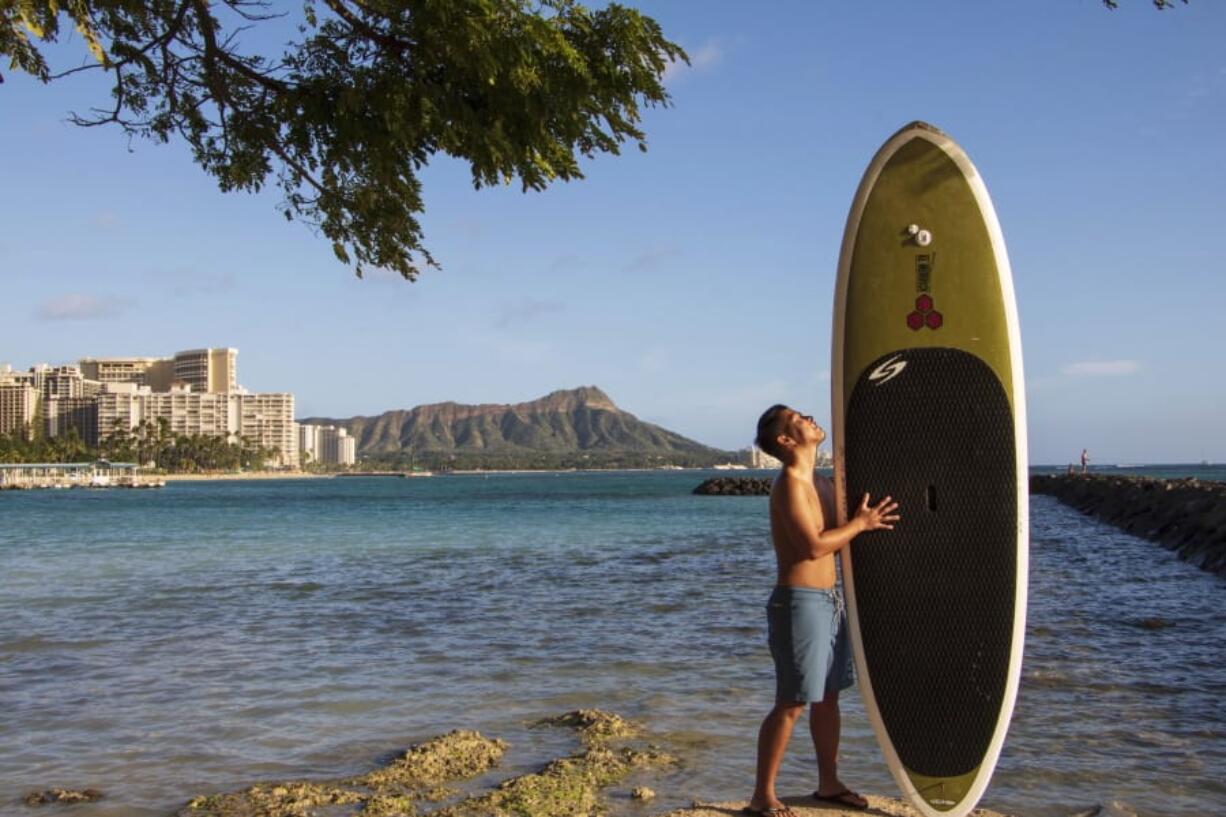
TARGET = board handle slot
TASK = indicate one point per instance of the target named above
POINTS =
(932, 498)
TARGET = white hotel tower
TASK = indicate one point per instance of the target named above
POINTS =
(194, 392)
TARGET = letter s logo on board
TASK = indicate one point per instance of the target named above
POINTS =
(887, 371)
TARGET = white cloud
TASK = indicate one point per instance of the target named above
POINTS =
(76, 306)
(703, 58)
(1101, 368)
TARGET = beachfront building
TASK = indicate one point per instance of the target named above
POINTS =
(207, 370)
(19, 405)
(760, 459)
(63, 381)
(326, 445)
(60, 414)
(124, 406)
(266, 420)
(155, 372)
(195, 392)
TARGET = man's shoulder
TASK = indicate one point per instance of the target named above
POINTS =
(790, 486)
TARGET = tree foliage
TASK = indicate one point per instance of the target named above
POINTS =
(368, 92)
(147, 444)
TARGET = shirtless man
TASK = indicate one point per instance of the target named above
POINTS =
(808, 627)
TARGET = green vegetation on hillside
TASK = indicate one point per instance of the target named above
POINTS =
(540, 460)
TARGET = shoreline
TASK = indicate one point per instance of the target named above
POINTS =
(242, 476)
(609, 759)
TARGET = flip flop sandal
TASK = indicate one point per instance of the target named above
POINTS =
(846, 798)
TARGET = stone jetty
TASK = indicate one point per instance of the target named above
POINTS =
(1187, 516)
(735, 486)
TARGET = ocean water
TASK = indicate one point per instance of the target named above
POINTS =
(199, 638)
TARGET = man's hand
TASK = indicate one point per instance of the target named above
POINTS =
(879, 516)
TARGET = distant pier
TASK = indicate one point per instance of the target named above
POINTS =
(100, 474)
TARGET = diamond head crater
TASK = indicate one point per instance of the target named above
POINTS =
(570, 428)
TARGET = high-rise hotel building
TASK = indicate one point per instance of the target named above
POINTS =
(19, 402)
(193, 392)
(266, 420)
(326, 445)
(155, 372)
(207, 370)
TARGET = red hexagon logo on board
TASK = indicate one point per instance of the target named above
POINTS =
(934, 320)
(916, 321)
(924, 303)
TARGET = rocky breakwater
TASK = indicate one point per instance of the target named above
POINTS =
(1187, 516)
(735, 486)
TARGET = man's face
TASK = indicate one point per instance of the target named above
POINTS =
(803, 429)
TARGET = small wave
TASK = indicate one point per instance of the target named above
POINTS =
(300, 587)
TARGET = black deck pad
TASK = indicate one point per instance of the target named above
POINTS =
(935, 597)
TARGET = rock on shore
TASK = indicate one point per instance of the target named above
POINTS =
(1187, 516)
(39, 798)
(422, 781)
(613, 753)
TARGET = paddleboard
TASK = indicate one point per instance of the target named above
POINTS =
(929, 407)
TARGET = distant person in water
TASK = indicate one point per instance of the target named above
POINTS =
(1085, 460)
(805, 615)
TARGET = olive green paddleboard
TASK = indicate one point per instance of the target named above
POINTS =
(929, 408)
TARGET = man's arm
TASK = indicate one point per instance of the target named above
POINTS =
(810, 535)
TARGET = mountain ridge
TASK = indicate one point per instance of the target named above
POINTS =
(566, 427)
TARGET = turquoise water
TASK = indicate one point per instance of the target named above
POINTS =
(162, 644)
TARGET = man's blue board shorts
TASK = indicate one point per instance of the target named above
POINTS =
(808, 640)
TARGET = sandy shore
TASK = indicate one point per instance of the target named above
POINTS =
(245, 475)
(421, 781)
(808, 807)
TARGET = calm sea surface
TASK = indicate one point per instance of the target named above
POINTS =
(162, 644)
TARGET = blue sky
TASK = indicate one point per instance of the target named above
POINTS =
(693, 283)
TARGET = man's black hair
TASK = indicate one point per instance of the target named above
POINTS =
(770, 426)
